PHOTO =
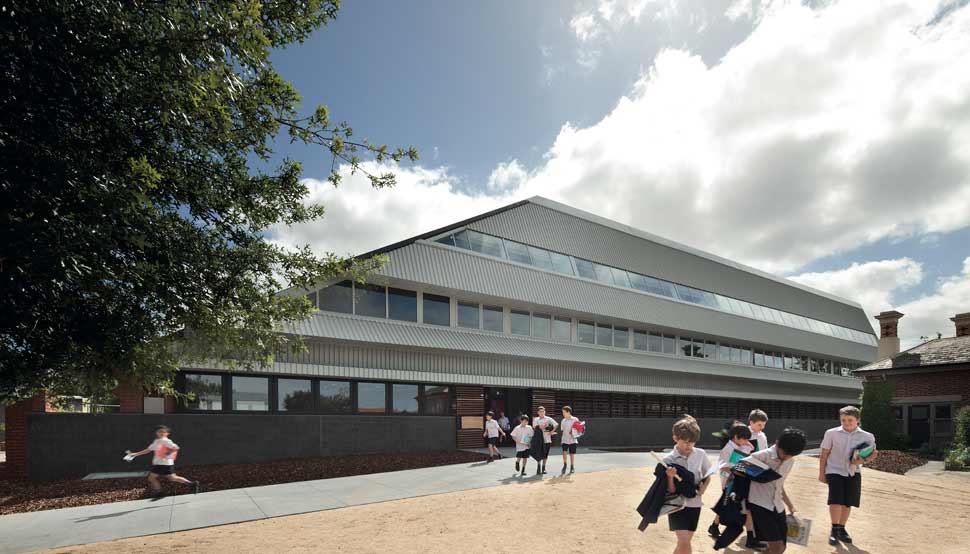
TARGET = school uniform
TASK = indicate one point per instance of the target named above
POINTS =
(844, 478)
(765, 500)
(569, 442)
(491, 429)
(543, 423)
(698, 465)
(518, 435)
(759, 439)
(724, 460)
(163, 458)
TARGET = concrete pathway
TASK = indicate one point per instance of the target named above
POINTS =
(87, 524)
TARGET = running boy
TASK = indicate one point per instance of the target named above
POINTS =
(541, 422)
(569, 441)
(737, 447)
(522, 435)
(683, 522)
(767, 501)
(163, 461)
(492, 431)
(840, 469)
(756, 422)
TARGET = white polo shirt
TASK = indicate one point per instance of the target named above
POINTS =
(840, 444)
(724, 459)
(491, 427)
(760, 438)
(769, 495)
(543, 422)
(567, 430)
(696, 463)
(519, 433)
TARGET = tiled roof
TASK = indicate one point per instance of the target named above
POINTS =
(943, 351)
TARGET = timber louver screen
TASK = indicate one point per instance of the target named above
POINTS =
(471, 410)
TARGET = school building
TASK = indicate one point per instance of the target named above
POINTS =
(930, 381)
(536, 303)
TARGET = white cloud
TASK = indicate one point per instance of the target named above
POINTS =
(593, 25)
(506, 177)
(585, 27)
(874, 285)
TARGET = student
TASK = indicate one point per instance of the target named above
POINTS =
(569, 441)
(503, 423)
(163, 462)
(838, 468)
(739, 441)
(543, 423)
(492, 431)
(767, 501)
(757, 420)
(522, 435)
(683, 522)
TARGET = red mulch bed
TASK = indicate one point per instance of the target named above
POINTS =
(894, 461)
(23, 496)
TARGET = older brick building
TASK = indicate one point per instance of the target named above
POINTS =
(930, 381)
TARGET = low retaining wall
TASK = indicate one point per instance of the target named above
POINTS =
(72, 445)
(656, 431)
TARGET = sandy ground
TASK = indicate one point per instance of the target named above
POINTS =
(589, 513)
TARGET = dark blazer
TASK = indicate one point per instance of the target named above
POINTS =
(653, 500)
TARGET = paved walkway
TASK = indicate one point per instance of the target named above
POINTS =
(86, 524)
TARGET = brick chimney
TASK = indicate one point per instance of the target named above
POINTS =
(962, 322)
(888, 337)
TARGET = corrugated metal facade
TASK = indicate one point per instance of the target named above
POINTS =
(453, 271)
(541, 226)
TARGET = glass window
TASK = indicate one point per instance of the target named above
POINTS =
(437, 309)
(312, 297)
(736, 354)
(518, 252)
(541, 325)
(724, 353)
(603, 274)
(943, 411)
(604, 334)
(710, 349)
(402, 304)
(436, 400)
(493, 319)
(779, 361)
(919, 412)
(337, 298)
(789, 361)
(585, 269)
(670, 344)
(654, 286)
(686, 346)
(468, 315)
(796, 363)
(204, 392)
(449, 240)
(656, 342)
(404, 399)
(746, 356)
(561, 329)
(250, 394)
(371, 398)
(334, 397)
(561, 263)
(695, 296)
(620, 278)
(461, 240)
(294, 395)
(371, 301)
(520, 322)
(485, 244)
(621, 337)
(641, 340)
(759, 358)
(586, 332)
(813, 365)
(540, 258)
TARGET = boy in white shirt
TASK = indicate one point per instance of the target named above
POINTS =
(569, 440)
(522, 435)
(757, 421)
(548, 427)
(492, 431)
(683, 522)
(739, 441)
(163, 461)
(767, 501)
(840, 469)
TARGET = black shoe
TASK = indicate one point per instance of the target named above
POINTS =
(572, 469)
(539, 472)
(844, 536)
(714, 531)
(196, 487)
(753, 543)
(523, 473)
(833, 539)
(516, 465)
(563, 472)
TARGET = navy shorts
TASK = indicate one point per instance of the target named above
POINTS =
(524, 454)
(769, 525)
(684, 519)
(571, 448)
(493, 441)
(844, 491)
(163, 470)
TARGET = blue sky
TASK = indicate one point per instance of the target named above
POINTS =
(823, 142)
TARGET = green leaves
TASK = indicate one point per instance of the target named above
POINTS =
(133, 227)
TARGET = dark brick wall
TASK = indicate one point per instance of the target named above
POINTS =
(932, 383)
(72, 445)
(656, 432)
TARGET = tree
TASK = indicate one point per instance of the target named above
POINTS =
(132, 210)
(877, 414)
